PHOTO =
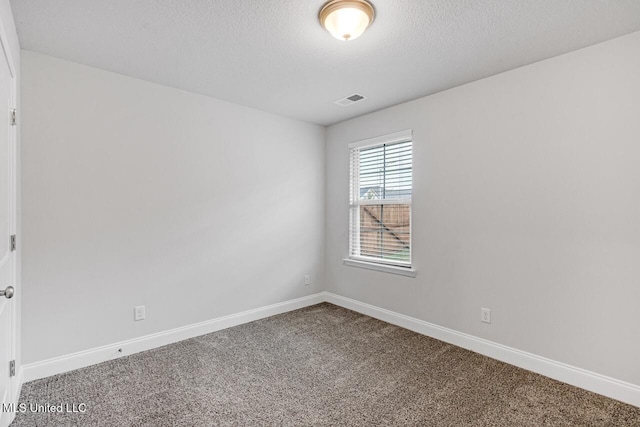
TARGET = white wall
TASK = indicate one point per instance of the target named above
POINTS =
(139, 194)
(526, 201)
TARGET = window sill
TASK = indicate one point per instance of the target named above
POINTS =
(402, 271)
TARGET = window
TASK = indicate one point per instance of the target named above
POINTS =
(380, 200)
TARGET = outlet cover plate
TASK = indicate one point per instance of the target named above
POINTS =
(485, 315)
(139, 313)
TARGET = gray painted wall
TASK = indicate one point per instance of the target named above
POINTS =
(139, 194)
(526, 201)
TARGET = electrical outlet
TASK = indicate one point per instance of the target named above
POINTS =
(307, 279)
(139, 313)
(485, 315)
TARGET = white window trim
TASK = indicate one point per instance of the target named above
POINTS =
(378, 264)
(384, 139)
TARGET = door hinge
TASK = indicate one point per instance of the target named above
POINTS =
(13, 242)
(13, 117)
(12, 368)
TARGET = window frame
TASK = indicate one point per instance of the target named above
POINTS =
(379, 264)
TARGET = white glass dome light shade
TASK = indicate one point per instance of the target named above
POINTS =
(346, 19)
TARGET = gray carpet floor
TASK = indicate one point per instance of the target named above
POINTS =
(322, 365)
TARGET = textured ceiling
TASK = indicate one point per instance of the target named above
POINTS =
(273, 54)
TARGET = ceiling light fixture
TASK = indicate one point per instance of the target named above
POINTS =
(346, 19)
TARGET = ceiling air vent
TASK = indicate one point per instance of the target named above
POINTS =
(344, 102)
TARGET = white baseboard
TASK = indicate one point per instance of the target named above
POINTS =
(81, 359)
(601, 384)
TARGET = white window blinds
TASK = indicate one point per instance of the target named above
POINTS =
(380, 199)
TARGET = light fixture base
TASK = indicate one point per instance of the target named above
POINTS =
(346, 19)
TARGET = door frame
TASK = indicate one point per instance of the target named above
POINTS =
(14, 313)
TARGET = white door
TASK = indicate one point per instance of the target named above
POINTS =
(7, 226)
